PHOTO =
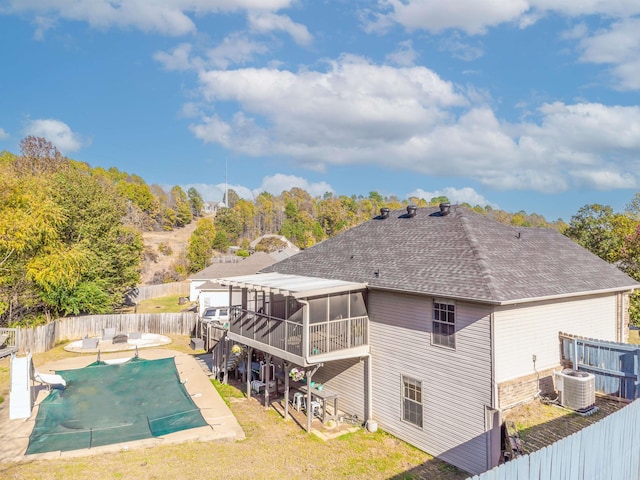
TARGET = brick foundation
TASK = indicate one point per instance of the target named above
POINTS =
(523, 389)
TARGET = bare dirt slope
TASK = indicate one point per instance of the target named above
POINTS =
(176, 240)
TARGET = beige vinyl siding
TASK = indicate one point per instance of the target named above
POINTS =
(522, 331)
(456, 384)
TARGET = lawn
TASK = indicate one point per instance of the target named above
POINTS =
(273, 449)
(170, 304)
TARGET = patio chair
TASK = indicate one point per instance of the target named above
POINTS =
(108, 333)
(49, 379)
(89, 343)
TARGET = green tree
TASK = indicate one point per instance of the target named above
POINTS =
(195, 199)
(201, 244)
(181, 206)
(228, 221)
(221, 241)
(592, 227)
(232, 200)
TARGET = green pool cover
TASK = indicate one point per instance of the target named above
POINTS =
(104, 404)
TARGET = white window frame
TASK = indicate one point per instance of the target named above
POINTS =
(412, 406)
(445, 310)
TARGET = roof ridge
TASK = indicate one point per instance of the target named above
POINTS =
(481, 258)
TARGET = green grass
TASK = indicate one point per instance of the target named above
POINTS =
(168, 304)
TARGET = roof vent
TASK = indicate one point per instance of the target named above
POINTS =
(445, 209)
(384, 212)
(411, 210)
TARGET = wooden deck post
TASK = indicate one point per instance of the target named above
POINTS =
(266, 379)
(285, 365)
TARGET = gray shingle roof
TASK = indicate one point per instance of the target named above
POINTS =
(462, 255)
(247, 266)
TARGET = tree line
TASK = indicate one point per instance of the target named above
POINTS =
(71, 235)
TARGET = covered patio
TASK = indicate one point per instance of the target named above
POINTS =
(304, 321)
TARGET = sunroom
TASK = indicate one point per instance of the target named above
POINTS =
(303, 320)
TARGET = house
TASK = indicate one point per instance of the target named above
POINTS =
(204, 289)
(433, 321)
(211, 208)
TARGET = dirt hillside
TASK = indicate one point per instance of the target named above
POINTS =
(162, 257)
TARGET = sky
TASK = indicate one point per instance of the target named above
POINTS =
(526, 105)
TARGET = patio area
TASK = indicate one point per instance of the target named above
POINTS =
(325, 431)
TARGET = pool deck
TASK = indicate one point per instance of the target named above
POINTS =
(223, 426)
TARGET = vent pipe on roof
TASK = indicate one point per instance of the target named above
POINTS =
(384, 213)
(411, 210)
(445, 208)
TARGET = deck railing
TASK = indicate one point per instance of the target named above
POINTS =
(289, 336)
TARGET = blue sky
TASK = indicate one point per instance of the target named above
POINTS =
(519, 104)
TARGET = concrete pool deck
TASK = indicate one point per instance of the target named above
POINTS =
(146, 340)
(223, 426)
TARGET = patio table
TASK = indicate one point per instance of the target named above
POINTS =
(324, 396)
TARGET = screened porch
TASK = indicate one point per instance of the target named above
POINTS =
(304, 320)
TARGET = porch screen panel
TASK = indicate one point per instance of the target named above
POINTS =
(318, 310)
(357, 305)
(339, 306)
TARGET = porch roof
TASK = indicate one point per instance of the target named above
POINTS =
(297, 286)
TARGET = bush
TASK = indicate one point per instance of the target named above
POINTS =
(165, 249)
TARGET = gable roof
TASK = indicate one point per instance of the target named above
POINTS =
(462, 255)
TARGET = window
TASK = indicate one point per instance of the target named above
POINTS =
(412, 401)
(444, 324)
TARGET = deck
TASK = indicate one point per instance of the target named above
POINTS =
(318, 342)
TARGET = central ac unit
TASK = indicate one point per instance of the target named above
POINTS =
(577, 390)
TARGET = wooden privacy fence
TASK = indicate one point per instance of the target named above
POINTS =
(147, 292)
(604, 450)
(45, 337)
(615, 365)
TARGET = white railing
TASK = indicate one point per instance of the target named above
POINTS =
(323, 337)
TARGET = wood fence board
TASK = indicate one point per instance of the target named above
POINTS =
(45, 337)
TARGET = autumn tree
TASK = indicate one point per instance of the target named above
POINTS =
(63, 246)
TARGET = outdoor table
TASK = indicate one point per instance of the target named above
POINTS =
(323, 396)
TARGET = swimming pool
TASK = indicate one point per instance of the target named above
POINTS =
(107, 403)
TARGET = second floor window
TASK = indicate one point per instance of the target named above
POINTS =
(444, 324)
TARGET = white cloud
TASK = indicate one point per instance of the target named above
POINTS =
(214, 192)
(618, 46)
(571, 8)
(57, 132)
(3, 134)
(265, 22)
(404, 56)
(461, 50)
(604, 179)
(455, 195)
(274, 184)
(410, 119)
(278, 183)
(475, 18)
(470, 16)
(43, 24)
(236, 49)
(169, 17)
(177, 59)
